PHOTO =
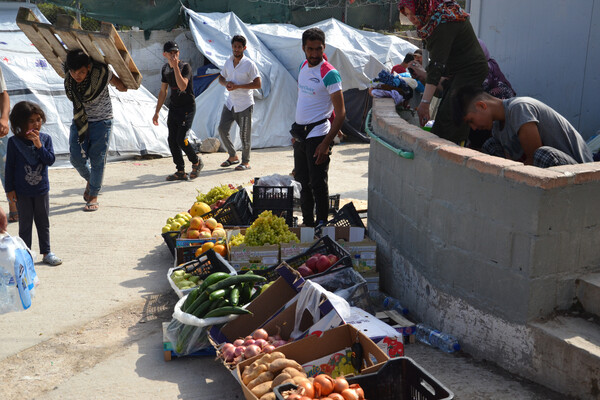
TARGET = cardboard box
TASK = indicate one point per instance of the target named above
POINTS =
(187, 253)
(244, 257)
(363, 255)
(310, 349)
(346, 233)
(306, 235)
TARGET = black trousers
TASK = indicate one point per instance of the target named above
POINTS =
(179, 122)
(315, 189)
(35, 209)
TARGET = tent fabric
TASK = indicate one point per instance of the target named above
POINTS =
(30, 77)
(277, 51)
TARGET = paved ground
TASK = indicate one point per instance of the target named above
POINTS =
(94, 330)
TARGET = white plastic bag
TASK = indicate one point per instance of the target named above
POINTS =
(309, 300)
(281, 180)
(188, 333)
(18, 278)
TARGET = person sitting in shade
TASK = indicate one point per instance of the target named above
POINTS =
(400, 68)
(523, 129)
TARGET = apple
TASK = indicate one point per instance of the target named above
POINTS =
(304, 270)
(332, 258)
(204, 235)
(196, 223)
(193, 233)
(312, 263)
(219, 233)
(323, 263)
(211, 223)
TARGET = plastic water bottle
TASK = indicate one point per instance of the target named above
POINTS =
(435, 338)
(7, 292)
(391, 303)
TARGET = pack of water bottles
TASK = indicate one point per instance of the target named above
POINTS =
(18, 278)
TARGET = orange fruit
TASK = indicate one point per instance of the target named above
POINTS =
(205, 246)
(222, 250)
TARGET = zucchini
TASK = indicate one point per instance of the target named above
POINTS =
(227, 310)
(194, 306)
(217, 294)
(202, 309)
(214, 278)
(192, 296)
(234, 296)
(235, 280)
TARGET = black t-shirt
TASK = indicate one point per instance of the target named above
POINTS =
(179, 98)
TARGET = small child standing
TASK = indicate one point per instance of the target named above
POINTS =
(29, 153)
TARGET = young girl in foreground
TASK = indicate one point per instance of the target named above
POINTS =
(28, 156)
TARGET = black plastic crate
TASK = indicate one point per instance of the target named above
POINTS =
(170, 239)
(324, 245)
(207, 263)
(398, 379)
(347, 216)
(237, 210)
(334, 203)
(273, 197)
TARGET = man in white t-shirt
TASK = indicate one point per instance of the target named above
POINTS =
(240, 76)
(319, 95)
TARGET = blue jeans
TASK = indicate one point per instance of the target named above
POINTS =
(95, 149)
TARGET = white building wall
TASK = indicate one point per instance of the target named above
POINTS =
(549, 50)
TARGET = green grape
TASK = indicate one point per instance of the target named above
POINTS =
(215, 194)
(268, 229)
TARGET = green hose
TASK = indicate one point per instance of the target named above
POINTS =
(409, 155)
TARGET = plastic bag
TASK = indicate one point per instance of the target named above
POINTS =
(349, 285)
(18, 278)
(188, 333)
(280, 180)
(309, 300)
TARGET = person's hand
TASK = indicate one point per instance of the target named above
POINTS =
(423, 112)
(321, 153)
(417, 71)
(12, 196)
(34, 136)
(155, 119)
(230, 86)
(3, 221)
(3, 127)
(173, 59)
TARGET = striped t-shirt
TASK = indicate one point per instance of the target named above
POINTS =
(100, 108)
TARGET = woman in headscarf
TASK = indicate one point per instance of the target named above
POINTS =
(454, 52)
(496, 83)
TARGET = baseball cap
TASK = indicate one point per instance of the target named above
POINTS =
(170, 46)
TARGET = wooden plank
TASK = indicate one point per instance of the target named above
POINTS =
(110, 30)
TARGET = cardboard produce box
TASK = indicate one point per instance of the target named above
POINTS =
(244, 257)
(363, 255)
(306, 235)
(310, 350)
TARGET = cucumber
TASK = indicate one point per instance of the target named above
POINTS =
(214, 278)
(245, 293)
(192, 296)
(194, 306)
(202, 309)
(234, 296)
(235, 280)
(216, 304)
(227, 310)
(217, 294)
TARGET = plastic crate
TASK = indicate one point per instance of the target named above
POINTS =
(347, 216)
(398, 379)
(237, 210)
(324, 245)
(207, 263)
(334, 203)
(278, 199)
(170, 239)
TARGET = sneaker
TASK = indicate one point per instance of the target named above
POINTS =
(51, 259)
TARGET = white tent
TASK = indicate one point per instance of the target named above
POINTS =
(277, 51)
(29, 77)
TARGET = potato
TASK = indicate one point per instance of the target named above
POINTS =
(262, 389)
(280, 378)
(269, 396)
(282, 363)
(297, 379)
(293, 372)
(269, 358)
(254, 374)
(266, 376)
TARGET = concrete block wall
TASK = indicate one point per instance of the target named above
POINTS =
(508, 239)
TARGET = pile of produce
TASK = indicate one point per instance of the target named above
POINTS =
(326, 388)
(175, 223)
(220, 294)
(197, 228)
(216, 194)
(184, 280)
(267, 229)
(317, 263)
(272, 370)
(252, 345)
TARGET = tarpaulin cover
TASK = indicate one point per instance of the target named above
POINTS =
(30, 77)
(277, 51)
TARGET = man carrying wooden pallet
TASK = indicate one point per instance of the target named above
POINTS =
(86, 84)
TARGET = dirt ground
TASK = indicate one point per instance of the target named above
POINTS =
(94, 329)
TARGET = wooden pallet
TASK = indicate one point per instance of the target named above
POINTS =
(398, 322)
(53, 42)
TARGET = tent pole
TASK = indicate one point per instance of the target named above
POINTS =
(78, 14)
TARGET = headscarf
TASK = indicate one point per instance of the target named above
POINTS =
(495, 83)
(89, 89)
(431, 13)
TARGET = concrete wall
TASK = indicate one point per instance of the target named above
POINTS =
(147, 54)
(508, 239)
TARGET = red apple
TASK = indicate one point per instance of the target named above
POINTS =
(312, 263)
(323, 263)
(304, 270)
(333, 258)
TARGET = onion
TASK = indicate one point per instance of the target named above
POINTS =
(350, 394)
(340, 384)
(270, 339)
(359, 391)
(229, 354)
(325, 383)
(261, 343)
(307, 388)
(227, 346)
(239, 350)
(268, 349)
(293, 396)
(305, 398)
(251, 351)
(279, 342)
(335, 396)
(238, 342)
(248, 337)
(248, 342)
(260, 334)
